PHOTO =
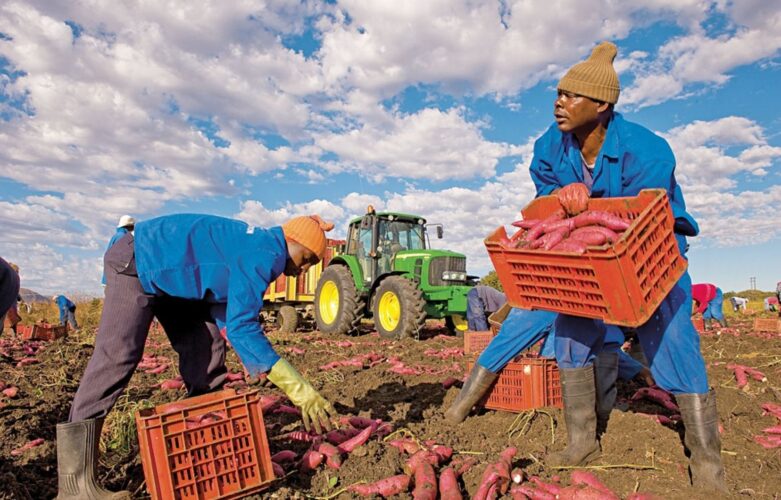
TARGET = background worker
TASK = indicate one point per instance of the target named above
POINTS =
(771, 304)
(9, 288)
(67, 311)
(523, 329)
(738, 303)
(591, 145)
(125, 225)
(709, 302)
(195, 273)
(481, 302)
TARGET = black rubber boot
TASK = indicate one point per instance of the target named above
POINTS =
(605, 375)
(77, 454)
(476, 386)
(579, 393)
(701, 436)
(722, 322)
(706, 324)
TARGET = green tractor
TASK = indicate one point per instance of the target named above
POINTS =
(386, 271)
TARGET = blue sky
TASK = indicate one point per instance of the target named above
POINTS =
(266, 110)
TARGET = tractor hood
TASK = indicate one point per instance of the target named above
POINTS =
(439, 267)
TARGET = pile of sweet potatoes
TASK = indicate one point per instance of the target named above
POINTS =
(560, 233)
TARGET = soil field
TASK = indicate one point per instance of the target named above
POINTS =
(639, 453)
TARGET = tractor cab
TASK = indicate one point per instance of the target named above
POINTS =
(376, 238)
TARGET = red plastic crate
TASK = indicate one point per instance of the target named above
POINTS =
(767, 325)
(41, 331)
(224, 458)
(622, 284)
(525, 383)
(699, 324)
(475, 342)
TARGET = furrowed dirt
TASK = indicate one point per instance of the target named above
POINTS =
(400, 382)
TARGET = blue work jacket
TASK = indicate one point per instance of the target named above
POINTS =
(222, 261)
(632, 158)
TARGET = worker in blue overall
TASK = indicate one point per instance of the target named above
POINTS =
(481, 301)
(67, 311)
(196, 273)
(523, 329)
(592, 145)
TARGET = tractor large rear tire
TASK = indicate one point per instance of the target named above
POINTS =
(338, 307)
(399, 309)
(287, 319)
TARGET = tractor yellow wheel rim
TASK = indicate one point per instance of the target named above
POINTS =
(389, 311)
(459, 322)
(329, 302)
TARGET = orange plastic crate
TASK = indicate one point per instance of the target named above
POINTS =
(526, 383)
(475, 342)
(767, 325)
(622, 284)
(699, 324)
(227, 457)
(41, 331)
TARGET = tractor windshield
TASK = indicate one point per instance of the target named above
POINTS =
(398, 235)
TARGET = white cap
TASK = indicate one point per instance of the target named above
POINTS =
(126, 220)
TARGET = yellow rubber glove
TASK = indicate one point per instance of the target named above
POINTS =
(314, 408)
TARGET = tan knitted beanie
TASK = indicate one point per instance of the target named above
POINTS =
(594, 77)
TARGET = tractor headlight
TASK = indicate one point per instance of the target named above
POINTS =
(453, 276)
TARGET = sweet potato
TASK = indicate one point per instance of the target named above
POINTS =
(771, 409)
(10, 392)
(769, 441)
(27, 446)
(571, 246)
(171, 384)
(601, 218)
(517, 475)
(284, 456)
(526, 224)
(776, 429)
(289, 410)
(448, 485)
(553, 489)
(278, 470)
(524, 491)
(462, 464)
(656, 395)
(442, 452)
(589, 238)
(535, 232)
(339, 436)
(489, 479)
(584, 492)
(425, 482)
(311, 460)
(384, 487)
(356, 440)
(587, 478)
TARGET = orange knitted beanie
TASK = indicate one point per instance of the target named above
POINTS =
(309, 231)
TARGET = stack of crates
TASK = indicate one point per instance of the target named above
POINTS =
(204, 448)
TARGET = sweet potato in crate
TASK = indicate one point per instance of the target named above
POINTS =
(41, 331)
(207, 447)
(525, 383)
(622, 283)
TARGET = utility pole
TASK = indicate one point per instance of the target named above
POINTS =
(753, 281)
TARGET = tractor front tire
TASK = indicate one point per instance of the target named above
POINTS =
(287, 319)
(398, 308)
(338, 307)
(456, 324)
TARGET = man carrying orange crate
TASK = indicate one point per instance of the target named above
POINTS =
(195, 273)
(521, 330)
(592, 151)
